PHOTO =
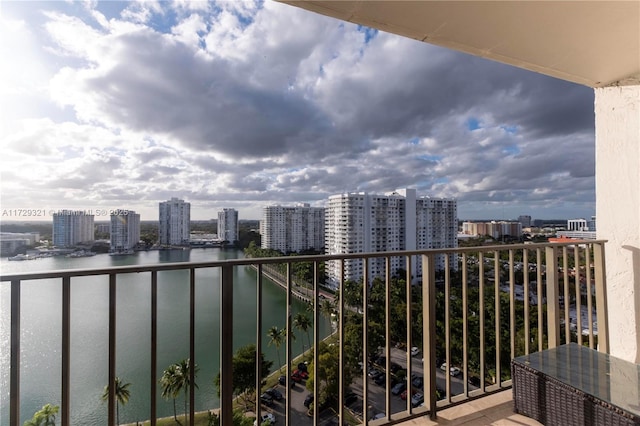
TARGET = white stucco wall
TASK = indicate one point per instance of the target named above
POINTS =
(617, 112)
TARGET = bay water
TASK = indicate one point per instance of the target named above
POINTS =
(41, 313)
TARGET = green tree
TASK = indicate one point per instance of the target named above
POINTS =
(122, 395)
(303, 323)
(185, 379)
(327, 308)
(239, 419)
(277, 338)
(244, 371)
(170, 389)
(328, 374)
(175, 379)
(46, 416)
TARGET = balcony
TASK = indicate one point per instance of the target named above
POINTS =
(532, 296)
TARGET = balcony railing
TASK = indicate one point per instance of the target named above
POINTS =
(488, 305)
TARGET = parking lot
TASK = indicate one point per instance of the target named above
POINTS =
(376, 397)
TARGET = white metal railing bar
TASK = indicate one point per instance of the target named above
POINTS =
(154, 347)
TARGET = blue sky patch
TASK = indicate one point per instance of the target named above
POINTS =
(473, 124)
(430, 157)
(511, 150)
(369, 33)
(512, 130)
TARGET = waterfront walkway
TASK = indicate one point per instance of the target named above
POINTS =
(303, 293)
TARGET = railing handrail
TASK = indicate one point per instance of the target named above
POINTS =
(280, 259)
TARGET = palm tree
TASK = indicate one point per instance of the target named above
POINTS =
(122, 395)
(170, 388)
(277, 337)
(302, 322)
(184, 367)
(177, 378)
(46, 416)
(327, 307)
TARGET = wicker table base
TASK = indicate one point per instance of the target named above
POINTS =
(556, 401)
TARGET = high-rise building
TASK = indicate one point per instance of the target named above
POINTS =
(71, 227)
(175, 222)
(124, 230)
(292, 228)
(361, 222)
(228, 225)
(525, 220)
(103, 228)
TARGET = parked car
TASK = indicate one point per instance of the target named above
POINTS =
(275, 394)
(308, 400)
(266, 399)
(380, 379)
(398, 388)
(378, 416)
(394, 367)
(296, 377)
(417, 399)
(266, 418)
(350, 398)
(417, 381)
(454, 371)
(374, 372)
(303, 374)
(404, 393)
(302, 366)
(415, 351)
(282, 380)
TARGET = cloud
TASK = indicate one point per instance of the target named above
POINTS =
(241, 103)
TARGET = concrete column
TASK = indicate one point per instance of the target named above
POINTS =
(617, 112)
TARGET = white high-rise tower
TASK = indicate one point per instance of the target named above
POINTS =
(292, 228)
(175, 222)
(124, 230)
(361, 222)
(228, 225)
(71, 227)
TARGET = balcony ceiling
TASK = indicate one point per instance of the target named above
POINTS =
(594, 43)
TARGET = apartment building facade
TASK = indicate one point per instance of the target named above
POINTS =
(228, 225)
(71, 227)
(292, 228)
(124, 230)
(175, 222)
(365, 223)
(494, 229)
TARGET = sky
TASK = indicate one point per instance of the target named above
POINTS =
(242, 104)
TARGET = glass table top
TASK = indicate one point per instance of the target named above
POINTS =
(605, 377)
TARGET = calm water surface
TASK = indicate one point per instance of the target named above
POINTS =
(41, 330)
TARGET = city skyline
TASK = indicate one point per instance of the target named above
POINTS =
(123, 105)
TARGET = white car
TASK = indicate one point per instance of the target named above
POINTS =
(267, 418)
(454, 371)
(415, 351)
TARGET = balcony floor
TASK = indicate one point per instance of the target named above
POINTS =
(496, 409)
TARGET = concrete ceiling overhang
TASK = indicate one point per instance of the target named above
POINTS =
(594, 43)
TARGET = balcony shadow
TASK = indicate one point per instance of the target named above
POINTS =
(494, 409)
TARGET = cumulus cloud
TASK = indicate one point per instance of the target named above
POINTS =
(240, 104)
